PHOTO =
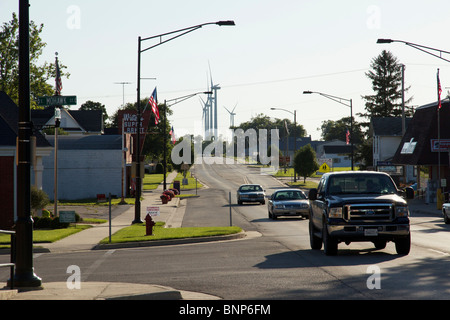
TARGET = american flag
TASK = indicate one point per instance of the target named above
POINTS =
(347, 137)
(439, 90)
(172, 133)
(58, 81)
(153, 101)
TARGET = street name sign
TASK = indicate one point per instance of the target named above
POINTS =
(57, 101)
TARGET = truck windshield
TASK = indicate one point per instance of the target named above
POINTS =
(361, 184)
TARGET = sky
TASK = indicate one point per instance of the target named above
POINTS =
(276, 50)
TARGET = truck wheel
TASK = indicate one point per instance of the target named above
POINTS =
(403, 245)
(380, 244)
(315, 241)
(330, 245)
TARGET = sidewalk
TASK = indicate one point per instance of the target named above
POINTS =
(171, 213)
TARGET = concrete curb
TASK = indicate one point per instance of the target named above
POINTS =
(169, 242)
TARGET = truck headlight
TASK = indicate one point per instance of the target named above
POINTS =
(401, 211)
(335, 212)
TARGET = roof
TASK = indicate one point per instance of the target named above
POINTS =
(89, 120)
(422, 129)
(100, 142)
(388, 126)
(335, 149)
(9, 118)
(355, 172)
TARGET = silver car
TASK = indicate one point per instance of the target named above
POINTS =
(446, 212)
(288, 202)
(251, 193)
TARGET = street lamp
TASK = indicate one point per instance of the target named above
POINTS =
(429, 51)
(177, 100)
(176, 34)
(24, 275)
(295, 128)
(420, 47)
(340, 100)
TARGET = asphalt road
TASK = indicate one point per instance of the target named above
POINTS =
(274, 262)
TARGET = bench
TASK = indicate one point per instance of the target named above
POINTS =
(11, 264)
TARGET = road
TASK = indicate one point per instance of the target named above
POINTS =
(274, 262)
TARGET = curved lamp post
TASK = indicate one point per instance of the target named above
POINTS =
(295, 128)
(173, 35)
(175, 100)
(348, 103)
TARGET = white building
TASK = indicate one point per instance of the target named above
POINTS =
(87, 166)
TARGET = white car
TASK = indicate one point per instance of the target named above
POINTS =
(251, 193)
(446, 212)
(288, 202)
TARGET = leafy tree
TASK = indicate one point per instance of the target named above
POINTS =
(386, 76)
(305, 163)
(262, 121)
(91, 105)
(337, 130)
(9, 62)
(154, 141)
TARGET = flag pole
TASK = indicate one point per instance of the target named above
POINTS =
(439, 128)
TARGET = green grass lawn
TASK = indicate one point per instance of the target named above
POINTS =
(46, 236)
(152, 181)
(191, 182)
(137, 232)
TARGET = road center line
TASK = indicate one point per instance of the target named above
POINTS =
(96, 264)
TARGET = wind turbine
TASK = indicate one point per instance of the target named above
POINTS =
(213, 98)
(232, 114)
(205, 116)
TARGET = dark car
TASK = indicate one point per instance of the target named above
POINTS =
(251, 193)
(288, 202)
(359, 206)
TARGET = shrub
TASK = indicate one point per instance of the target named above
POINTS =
(50, 222)
(39, 198)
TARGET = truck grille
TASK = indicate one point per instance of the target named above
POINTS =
(368, 212)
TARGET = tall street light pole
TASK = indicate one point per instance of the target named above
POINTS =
(428, 50)
(433, 52)
(295, 128)
(348, 103)
(173, 35)
(24, 275)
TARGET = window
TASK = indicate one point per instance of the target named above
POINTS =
(359, 184)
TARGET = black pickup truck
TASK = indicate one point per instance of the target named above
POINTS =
(359, 206)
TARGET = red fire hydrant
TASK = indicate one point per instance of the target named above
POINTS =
(149, 224)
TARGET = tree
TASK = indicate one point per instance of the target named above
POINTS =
(386, 76)
(305, 163)
(154, 141)
(262, 121)
(337, 130)
(9, 62)
(91, 105)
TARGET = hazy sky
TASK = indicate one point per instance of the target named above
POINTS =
(277, 50)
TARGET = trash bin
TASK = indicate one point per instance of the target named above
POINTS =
(176, 185)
